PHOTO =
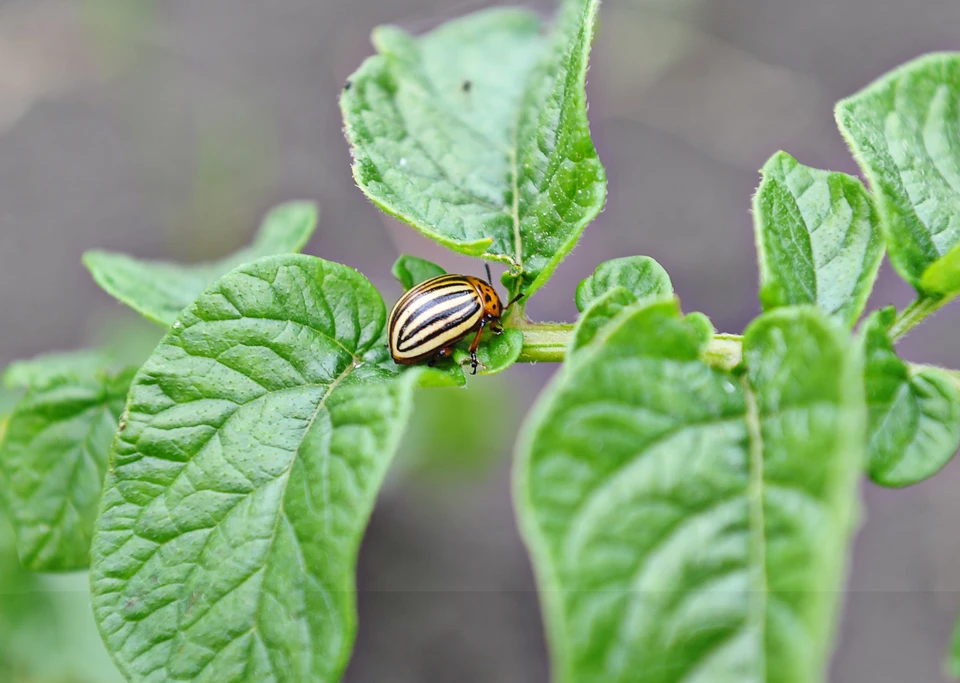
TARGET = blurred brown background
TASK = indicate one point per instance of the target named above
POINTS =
(167, 129)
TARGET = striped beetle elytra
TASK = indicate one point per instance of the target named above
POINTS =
(431, 317)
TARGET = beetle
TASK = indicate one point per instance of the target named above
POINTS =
(434, 315)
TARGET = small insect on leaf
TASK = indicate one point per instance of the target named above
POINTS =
(467, 85)
(432, 317)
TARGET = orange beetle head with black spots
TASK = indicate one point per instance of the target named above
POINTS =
(489, 299)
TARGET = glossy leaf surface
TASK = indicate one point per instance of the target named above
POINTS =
(601, 311)
(687, 524)
(40, 370)
(914, 412)
(54, 456)
(904, 130)
(476, 135)
(257, 437)
(640, 275)
(818, 239)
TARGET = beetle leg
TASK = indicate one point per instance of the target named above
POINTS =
(473, 349)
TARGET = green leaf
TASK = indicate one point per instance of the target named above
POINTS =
(703, 326)
(914, 413)
(410, 271)
(613, 286)
(258, 436)
(942, 278)
(686, 523)
(54, 456)
(50, 367)
(4, 483)
(818, 239)
(159, 290)
(497, 352)
(600, 312)
(476, 134)
(640, 275)
(8, 398)
(904, 130)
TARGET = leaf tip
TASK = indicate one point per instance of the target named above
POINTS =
(392, 41)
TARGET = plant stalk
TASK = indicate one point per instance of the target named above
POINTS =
(548, 343)
(911, 316)
(545, 342)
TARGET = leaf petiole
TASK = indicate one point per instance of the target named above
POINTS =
(919, 310)
(548, 343)
(544, 342)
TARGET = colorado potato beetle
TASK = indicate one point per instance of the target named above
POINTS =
(437, 313)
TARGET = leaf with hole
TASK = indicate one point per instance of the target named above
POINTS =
(54, 456)
(818, 239)
(159, 290)
(914, 412)
(503, 168)
(258, 435)
(687, 523)
(904, 130)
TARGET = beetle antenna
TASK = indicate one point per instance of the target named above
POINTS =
(489, 276)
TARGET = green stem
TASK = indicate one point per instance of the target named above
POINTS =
(922, 307)
(545, 342)
(548, 343)
(725, 351)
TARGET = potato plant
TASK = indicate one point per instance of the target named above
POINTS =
(688, 497)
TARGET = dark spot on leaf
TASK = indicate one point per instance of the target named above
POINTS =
(466, 86)
(347, 85)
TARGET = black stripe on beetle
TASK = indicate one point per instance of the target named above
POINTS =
(438, 324)
(458, 327)
(433, 306)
